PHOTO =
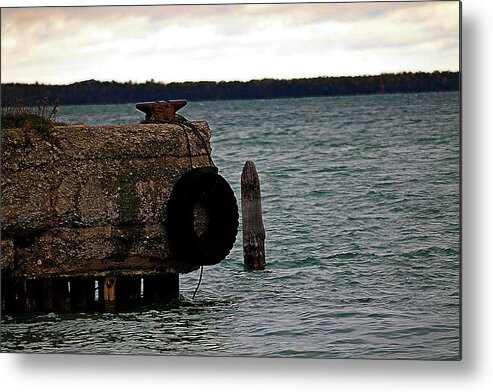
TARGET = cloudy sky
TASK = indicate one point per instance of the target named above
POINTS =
(62, 45)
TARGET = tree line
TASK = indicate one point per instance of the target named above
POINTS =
(96, 92)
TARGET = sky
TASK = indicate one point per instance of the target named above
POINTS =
(63, 45)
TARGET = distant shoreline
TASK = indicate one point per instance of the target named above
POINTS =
(96, 92)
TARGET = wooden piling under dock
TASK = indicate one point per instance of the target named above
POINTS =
(80, 294)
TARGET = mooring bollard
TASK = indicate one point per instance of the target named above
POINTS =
(161, 110)
(253, 226)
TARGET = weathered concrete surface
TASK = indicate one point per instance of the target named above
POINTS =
(91, 200)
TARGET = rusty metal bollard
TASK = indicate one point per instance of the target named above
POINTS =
(161, 110)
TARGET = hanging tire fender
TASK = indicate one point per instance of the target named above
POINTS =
(202, 217)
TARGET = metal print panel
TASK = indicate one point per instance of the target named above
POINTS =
(258, 180)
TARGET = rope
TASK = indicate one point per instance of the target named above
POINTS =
(200, 280)
(188, 146)
(180, 121)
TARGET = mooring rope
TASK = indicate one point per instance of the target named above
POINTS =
(180, 121)
(200, 280)
(188, 146)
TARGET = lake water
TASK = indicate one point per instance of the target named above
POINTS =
(361, 208)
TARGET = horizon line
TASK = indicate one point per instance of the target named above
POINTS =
(152, 80)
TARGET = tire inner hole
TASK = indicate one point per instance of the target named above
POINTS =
(201, 218)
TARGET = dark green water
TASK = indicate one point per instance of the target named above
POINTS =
(361, 208)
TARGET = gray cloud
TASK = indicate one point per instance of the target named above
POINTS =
(71, 42)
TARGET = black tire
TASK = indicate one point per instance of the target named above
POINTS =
(205, 186)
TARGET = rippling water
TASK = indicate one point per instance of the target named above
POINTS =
(361, 207)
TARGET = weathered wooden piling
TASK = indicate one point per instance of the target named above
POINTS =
(163, 287)
(109, 289)
(61, 294)
(127, 289)
(78, 294)
(253, 226)
(47, 294)
(82, 293)
(26, 295)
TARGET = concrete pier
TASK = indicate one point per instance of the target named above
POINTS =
(89, 203)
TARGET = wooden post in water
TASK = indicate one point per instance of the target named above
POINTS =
(109, 292)
(25, 295)
(161, 288)
(61, 295)
(10, 298)
(253, 226)
(82, 293)
(47, 287)
(127, 290)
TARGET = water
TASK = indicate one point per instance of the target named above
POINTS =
(361, 210)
